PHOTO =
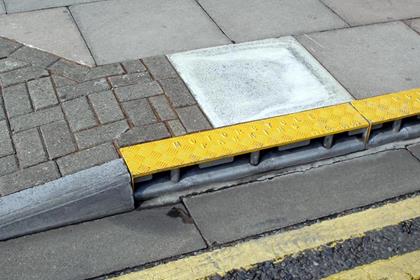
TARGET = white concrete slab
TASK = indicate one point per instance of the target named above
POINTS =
(255, 80)
(50, 30)
(119, 30)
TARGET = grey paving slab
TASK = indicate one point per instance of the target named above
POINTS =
(79, 114)
(16, 100)
(68, 69)
(14, 6)
(8, 64)
(37, 118)
(177, 92)
(130, 79)
(82, 89)
(139, 112)
(8, 165)
(144, 133)
(106, 107)
(246, 20)
(358, 12)
(58, 139)
(415, 24)
(176, 127)
(193, 118)
(52, 30)
(6, 146)
(103, 246)
(34, 56)
(7, 47)
(256, 80)
(22, 75)
(367, 60)
(286, 200)
(29, 148)
(160, 67)
(144, 28)
(42, 93)
(139, 90)
(162, 107)
(101, 134)
(134, 66)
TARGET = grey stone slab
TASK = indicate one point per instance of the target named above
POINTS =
(139, 112)
(162, 107)
(58, 139)
(14, 6)
(51, 30)
(160, 67)
(359, 12)
(176, 128)
(106, 106)
(42, 93)
(34, 56)
(82, 89)
(286, 200)
(193, 119)
(177, 92)
(29, 148)
(98, 135)
(257, 80)
(104, 71)
(130, 79)
(160, 27)
(37, 118)
(137, 91)
(367, 60)
(415, 24)
(69, 70)
(22, 75)
(142, 134)
(28, 177)
(133, 66)
(99, 247)
(7, 47)
(249, 20)
(86, 158)
(16, 100)
(9, 64)
(6, 146)
(79, 114)
(8, 165)
(93, 193)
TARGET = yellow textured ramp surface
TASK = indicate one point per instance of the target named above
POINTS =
(278, 246)
(405, 267)
(149, 158)
(389, 107)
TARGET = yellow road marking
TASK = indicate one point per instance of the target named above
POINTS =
(277, 246)
(153, 157)
(389, 107)
(405, 267)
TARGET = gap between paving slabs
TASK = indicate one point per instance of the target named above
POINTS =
(167, 165)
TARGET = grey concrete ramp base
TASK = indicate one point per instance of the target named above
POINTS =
(92, 193)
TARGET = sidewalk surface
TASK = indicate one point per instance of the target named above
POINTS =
(80, 79)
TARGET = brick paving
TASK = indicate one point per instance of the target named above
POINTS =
(58, 117)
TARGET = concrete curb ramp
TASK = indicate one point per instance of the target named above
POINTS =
(92, 193)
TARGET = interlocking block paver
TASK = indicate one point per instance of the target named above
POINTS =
(177, 92)
(60, 81)
(137, 91)
(82, 89)
(86, 158)
(37, 118)
(42, 93)
(193, 119)
(7, 47)
(162, 107)
(133, 66)
(104, 71)
(6, 146)
(9, 64)
(101, 134)
(29, 148)
(34, 56)
(16, 100)
(139, 112)
(129, 79)
(69, 70)
(144, 133)
(79, 114)
(106, 106)
(22, 75)
(160, 67)
(176, 127)
(28, 177)
(58, 139)
(8, 165)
